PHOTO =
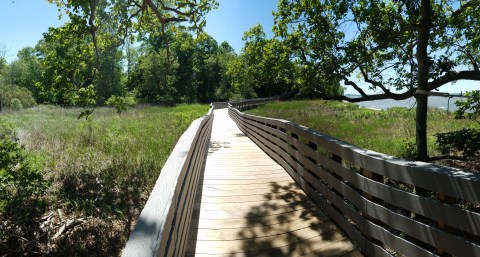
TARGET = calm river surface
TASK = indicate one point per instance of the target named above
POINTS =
(433, 101)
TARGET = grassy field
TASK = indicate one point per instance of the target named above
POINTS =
(390, 131)
(99, 173)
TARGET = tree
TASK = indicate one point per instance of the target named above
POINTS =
(225, 55)
(264, 67)
(68, 61)
(155, 78)
(206, 67)
(399, 48)
(26, 70)
(111, 22)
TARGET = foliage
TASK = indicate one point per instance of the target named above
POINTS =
(15, 104)
(196, 74)
(25, 72)
(121, 103)
(8, 93)
(390, 47)
(19, 180)
(106, 25)
(263, 69)
(154, 78)
(376, 41)
(21, 190)
(465, 140)
(470, 107)
(68, 63)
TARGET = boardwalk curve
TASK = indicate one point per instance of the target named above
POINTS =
(248, 205)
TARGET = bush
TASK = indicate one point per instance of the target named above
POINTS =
(466, 141)
(6, 129)
(121, 103)
(21, 198)
(8, 93)
(16, 104)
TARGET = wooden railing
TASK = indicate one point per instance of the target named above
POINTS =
(243, 104)
(219, 105)
(163, 225)
(387, 206)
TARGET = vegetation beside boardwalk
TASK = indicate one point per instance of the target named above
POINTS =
(76, 187)
(390, 131)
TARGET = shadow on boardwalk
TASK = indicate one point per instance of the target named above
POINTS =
(295, 228)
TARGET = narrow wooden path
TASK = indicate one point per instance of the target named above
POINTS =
(248, 205)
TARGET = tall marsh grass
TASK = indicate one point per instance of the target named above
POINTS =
(100, 171)
(390, 131)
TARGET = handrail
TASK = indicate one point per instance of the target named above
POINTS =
(163, 225)
(384, 204)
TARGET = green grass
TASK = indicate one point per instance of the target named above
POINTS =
(390, 131)
(100, 170)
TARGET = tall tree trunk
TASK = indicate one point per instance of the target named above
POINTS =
(423, 76)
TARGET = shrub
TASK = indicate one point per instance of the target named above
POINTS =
(6, 128)
(121, 103)
(466, 141)
(21, 198)
(16, 104)
(8, 93)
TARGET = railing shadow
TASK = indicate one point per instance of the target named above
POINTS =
(294, 227)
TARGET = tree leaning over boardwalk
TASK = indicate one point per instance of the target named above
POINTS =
(399, 49)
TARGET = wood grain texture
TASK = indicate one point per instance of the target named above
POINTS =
(248, 205)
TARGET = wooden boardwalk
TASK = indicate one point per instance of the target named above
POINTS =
(248, 205)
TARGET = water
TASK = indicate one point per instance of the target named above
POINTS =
(433, 101)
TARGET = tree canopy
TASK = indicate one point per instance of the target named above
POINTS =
(399, 48)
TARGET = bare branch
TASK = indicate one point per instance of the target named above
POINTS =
(454, 76)
(365, 97)
(355, 86)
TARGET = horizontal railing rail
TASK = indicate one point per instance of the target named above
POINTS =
(384, 204)
(219, 105)
(251, 103)
(163, 225)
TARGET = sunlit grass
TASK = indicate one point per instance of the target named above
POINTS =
(101, 169)
(390, 131)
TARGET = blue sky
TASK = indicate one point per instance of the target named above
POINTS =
(22, 22)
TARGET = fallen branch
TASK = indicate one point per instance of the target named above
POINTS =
(67, 226)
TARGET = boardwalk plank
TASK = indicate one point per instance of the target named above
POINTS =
(248, 205)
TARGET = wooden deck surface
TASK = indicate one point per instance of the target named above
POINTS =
(248, 205)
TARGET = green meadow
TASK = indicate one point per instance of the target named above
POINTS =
(97, 173)
(390, 131)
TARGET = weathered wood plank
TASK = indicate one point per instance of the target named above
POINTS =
(301, 243)
(246, 198)
(312, 215)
